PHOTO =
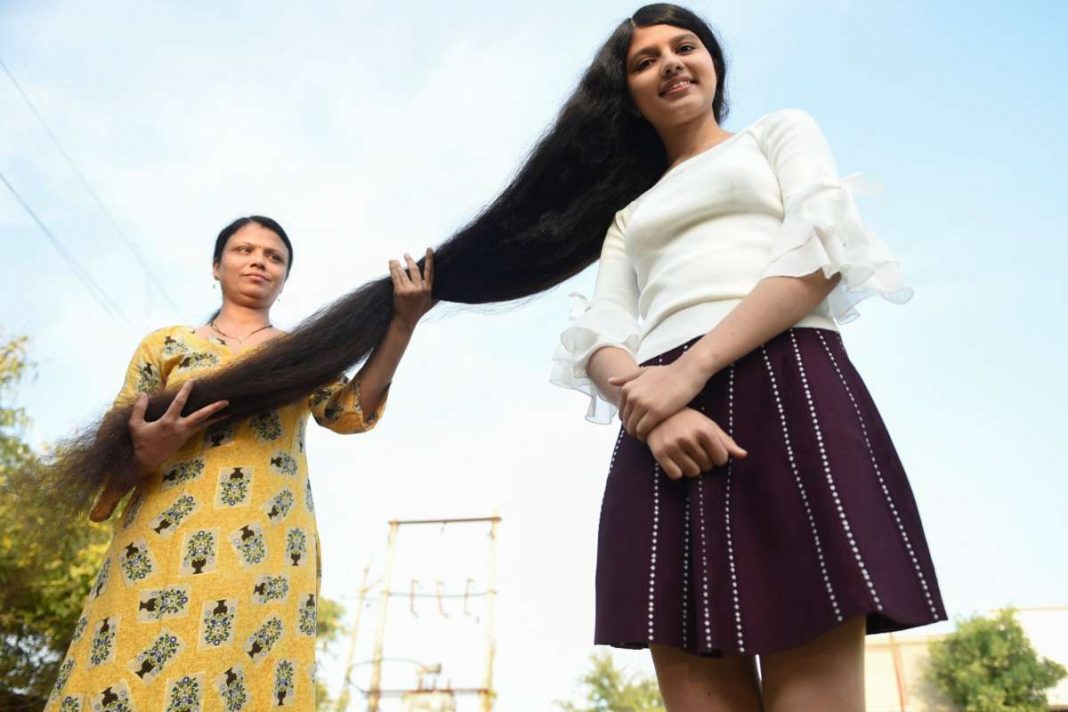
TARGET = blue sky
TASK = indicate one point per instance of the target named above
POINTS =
(370, 129)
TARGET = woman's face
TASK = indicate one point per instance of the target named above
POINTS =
(253, 266)
(670, 74)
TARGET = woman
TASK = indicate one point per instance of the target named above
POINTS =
(755, 505)
(207, 596)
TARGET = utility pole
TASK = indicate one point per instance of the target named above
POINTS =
(374, 696)
(343, 698)
(486, 693)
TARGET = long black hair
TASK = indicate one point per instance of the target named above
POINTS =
(546, 226)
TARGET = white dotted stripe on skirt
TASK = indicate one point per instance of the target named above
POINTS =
(830, 477)
(801, 488)
(882, 483)
(727, 519)
(653, 547)
(686, 571)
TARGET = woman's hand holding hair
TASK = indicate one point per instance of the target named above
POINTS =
(412, 289)
(157, 440)
(690, 443)
(412, 298)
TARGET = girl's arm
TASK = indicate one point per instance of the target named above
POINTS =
(774, 305)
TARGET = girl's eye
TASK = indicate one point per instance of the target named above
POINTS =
(687, 48)
(643, 64)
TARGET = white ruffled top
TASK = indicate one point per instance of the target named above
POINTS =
(765, 202)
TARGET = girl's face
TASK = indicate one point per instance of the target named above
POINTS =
(670, 74)
(253, 266)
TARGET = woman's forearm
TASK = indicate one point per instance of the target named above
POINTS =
(605, 363)
(377, 373)
(774, 305)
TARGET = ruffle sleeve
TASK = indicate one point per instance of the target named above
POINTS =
(610, 320)
(822, 228)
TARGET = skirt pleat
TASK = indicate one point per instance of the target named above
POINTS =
(817, 525)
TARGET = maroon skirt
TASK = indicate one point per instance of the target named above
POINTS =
(817, 525)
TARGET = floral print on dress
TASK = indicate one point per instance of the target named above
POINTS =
(169, 519)
(306, 616)
(185, 694)
(174, 347)
(198, 360)
(278, 506)
(102, 578)
(70, 704)
(113, 698)
(79, 628)
(265, 637)
(102, 644)
(232, 689)
(219, 434)
(148, 378)
(157, 604)
(133, 508)
(270, 588)
(136, 562)
(266, 425)
(284, 463)
(284, 684)
(182, 472)
(250, 544)
(296, 546)
(199, 552)
(217, 622)
(308, 501)
(63, 675)
(235, 487)
(153, 659)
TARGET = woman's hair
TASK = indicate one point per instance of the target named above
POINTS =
(227, 232)
(546, 226)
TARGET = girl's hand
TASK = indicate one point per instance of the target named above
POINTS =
(649, 395)
(690, 443)
(412, 289)
(154, 442)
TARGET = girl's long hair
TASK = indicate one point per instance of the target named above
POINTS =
(546, 226)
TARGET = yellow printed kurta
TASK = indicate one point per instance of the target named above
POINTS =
(207, 597)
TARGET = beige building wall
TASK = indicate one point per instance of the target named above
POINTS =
(894, 663)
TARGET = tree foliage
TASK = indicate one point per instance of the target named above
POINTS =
(988, 664)
(608, 688)
(43, 579)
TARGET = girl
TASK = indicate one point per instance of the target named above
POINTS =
(755, 505)
(207, 596)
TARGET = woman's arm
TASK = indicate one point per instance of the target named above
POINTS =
(411, 300)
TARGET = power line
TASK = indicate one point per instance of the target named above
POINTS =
(98, 294)
(130, 245)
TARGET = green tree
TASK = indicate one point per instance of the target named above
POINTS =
(612, 689)
(328, 629)
(46, 566)
(988, 664)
